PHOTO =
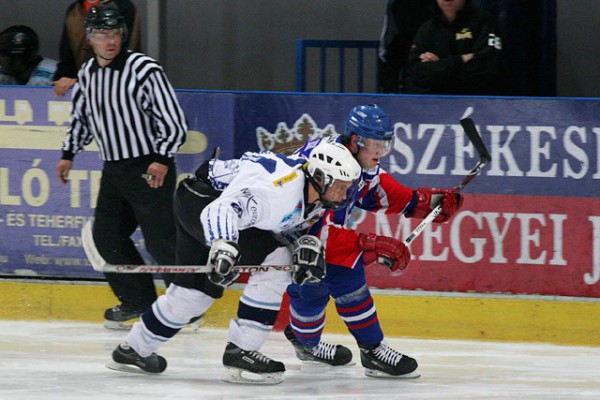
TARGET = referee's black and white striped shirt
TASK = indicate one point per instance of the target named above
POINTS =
(129, 107)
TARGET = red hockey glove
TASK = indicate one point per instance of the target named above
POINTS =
(383, 250)
(427, 200)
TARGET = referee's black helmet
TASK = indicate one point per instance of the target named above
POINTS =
(104, 17)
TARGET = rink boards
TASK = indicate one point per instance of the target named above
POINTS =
(530, 224)
(502, 244)
(431, 315)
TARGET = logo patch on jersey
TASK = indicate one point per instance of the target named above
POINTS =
(238, 209)
(494, 41)
(464, 33)
(250, 206)
(285, 221)
(285, 179)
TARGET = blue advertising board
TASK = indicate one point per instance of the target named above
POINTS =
(534, 212)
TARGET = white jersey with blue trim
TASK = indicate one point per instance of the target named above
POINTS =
(40, 76)
(261, 190)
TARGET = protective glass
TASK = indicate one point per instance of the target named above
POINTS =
(383, 146)
(107, 36)
(339, 194)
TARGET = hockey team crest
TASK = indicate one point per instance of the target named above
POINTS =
(286, 140)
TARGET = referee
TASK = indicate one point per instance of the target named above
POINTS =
(125, 102)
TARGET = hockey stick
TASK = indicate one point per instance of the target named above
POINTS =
(484, 158)
(100, 264)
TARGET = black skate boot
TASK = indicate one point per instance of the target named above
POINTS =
(120, 317)
(243, 366)
(384, 362)
(127, 359)
(327, 353)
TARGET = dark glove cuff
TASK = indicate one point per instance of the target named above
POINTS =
(67, 155)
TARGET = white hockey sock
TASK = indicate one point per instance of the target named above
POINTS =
(171, 312)
(248, 335)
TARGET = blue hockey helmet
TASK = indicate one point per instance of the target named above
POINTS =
(370, 123)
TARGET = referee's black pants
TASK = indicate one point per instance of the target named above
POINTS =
(125, 201)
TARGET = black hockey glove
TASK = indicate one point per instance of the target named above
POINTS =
(222, 257)
(308, 260)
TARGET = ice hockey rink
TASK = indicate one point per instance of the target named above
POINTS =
(62, 360)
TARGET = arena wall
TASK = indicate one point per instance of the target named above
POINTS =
(519, 262)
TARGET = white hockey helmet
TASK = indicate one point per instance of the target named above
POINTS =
(331, 161)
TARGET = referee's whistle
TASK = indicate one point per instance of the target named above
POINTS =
(149, 177)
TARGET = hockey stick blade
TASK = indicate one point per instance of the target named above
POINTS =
(484, 158)
(100, 264)
(471, 131)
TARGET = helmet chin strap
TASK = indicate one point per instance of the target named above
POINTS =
(318, 188)
(322, 191)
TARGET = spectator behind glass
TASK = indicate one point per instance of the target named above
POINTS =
(74, 49)
(20, 63)
(457, 51)
(401, 21)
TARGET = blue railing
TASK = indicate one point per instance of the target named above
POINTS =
(342, 45)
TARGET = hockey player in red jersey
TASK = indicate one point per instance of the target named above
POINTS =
(369, 135)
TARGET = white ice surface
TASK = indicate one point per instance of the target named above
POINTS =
(58, 360)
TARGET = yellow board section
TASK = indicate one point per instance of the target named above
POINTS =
(493, 319)
(51, 138)
(431, 317)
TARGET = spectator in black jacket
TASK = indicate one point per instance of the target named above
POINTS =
(401, 21)
(458, 51)
(74, 49)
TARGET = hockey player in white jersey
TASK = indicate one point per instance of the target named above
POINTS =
(244, 209)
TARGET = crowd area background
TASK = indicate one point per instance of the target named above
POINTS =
(250, 44)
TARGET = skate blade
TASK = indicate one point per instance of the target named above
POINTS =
(379, 374)
(309, 361)
(119, 325)
(115, 366)
(315, 364)
(236, 375)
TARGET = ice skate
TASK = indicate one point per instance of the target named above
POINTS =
(327, 353)
(120, 318)
(384, 362)
(127, 359)
(243, 366)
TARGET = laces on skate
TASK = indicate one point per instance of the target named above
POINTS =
(324, 352)
(243, 366)
(384, 362)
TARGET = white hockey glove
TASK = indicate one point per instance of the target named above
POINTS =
(222, 257)
(308, 260)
